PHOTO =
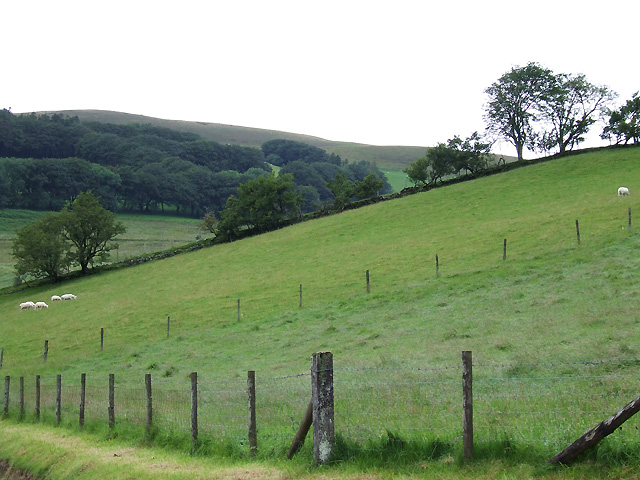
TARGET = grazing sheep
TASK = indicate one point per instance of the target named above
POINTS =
(40, 305)
(623, 191)
(55, 298)
(27, 305)
(68, 296)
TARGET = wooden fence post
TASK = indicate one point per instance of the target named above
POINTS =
(504, 250)
(46, 350)
(58, 399)
(629, 230)
(437, 266)
(21, 397)
(467, 405)
(238, 309)
(168, 325)
(251, 392)
(300, 302)
(112, 406)
(194, 409)
(1, 356)
(368, 284)
(149, 422)
(322, 398)
(101, 338)
(303, 429)
(7, 383)
(37, 397)
(83, 390)
(578, 231)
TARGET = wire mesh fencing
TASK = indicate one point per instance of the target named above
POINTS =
(544, 406)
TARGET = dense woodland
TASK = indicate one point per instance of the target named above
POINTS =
(46, 161)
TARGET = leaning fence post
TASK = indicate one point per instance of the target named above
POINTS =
(322, 398)
(251, 392)
(7, 382)
(149, 423)
(83, 390)
(112, 407)
(467, 405)
(37, 397)
(46, 350)
(58, 399)
(194, 409)
(21, 397)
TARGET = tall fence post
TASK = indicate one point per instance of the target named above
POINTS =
(300, 302)
(194, 409)
(578, 231)
(7, 383)
(58, 399)
(368, 284)
(112, 406)
(437, 266)
(83, 390)
(21, 397)
(467, 405)
(101, 338)
(37, 397)
(238, 309)
(504, 250)
(629, 230)
(46, 350)
(253, 433)
(168, 325)
(322, 399)
(149, 422)
(1, 356)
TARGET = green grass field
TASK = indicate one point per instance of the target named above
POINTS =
(537, 316)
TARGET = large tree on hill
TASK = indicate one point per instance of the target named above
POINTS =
(514, 101)
(624, 123)
(90, 229)
(40, 248)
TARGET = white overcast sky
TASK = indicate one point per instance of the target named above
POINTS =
(397, 72)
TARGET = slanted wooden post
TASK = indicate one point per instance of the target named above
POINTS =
(58, 399)
(112, 407)
(467, 405)
(149, 423)
(253, 432)
(21, 397)
(101, 338)
(83, 390)
(504, 250)
(578, 231)
(37, 397)
(368, 284)
(194, 409)
(322, 398)
(596, 434)
(437, 266)
(7, 383)
(46, 350)
(303, 429)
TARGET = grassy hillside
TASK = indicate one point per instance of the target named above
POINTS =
(388, 157)
(552, 304)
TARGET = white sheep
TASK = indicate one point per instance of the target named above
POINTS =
(55, 298)
(40, 305)
(623, 191)
(27, 305)
(68, 296)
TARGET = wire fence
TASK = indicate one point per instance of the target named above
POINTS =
(545, 406)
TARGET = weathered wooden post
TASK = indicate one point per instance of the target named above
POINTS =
(368, 284)
(37, 397)
(578, 231)
(168, 325)
(149, 422)
(303, 429)
(1, 356)
(101, 338)
(300, 301)
(437, 266)
(58, 399)
(21, 397)
(83, 390)
(322, 398)
(7, 383)
(504, 250)
(467, 405)
(112, 407)
(253, 431)
(46, 350)
(238, 309)
(629, 230)
(194, 409)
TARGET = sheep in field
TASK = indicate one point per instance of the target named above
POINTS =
(27, 305)
(623, 191)
(40, 305)
(55, 298)
(68, 296)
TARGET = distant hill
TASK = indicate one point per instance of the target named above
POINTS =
(386, 157)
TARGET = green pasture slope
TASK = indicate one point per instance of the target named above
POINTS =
(552, 300)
